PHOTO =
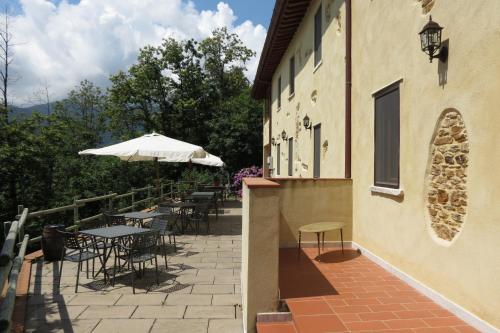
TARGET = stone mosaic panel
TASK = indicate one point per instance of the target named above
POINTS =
(447, 177)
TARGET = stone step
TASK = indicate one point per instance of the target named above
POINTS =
(276, 327)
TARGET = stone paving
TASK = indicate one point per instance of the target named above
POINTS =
(198, 293)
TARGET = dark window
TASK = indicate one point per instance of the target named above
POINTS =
(292, 75)
(290, 157)
(387, 137)
(317, 151)
(278, 159)
(279, 92)
(317, 36)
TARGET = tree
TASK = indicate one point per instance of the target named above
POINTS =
(85, 105)
(6, 56)
(42, 96)
(193, 91)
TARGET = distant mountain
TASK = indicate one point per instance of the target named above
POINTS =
(24, 112)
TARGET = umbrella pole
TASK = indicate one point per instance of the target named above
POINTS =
(157, 167)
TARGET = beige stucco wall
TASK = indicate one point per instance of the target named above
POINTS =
(260, 246)
(318, 93)
(304, 201)
(386, 49)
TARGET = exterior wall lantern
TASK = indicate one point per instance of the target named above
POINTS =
(283, 135)
(430, 40)
(273, 141)
(307, 122)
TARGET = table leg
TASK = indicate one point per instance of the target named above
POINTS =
(183, 218)
(300, 238)
(342, 240)
(103, 262)
(319, 248)
(216, 210)
(323, 241)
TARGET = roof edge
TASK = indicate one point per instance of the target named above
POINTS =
(295, 11)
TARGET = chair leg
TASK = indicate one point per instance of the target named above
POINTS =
(156, 265)
(342, 240)
(175, 244)
(60, 268)
(87, 264)
(77, 278)
(300, 239)
(114, 271)
(133, 282)
(164, 251)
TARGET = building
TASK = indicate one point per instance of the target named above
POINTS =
(416, 141)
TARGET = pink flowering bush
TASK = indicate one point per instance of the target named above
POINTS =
(237, 185)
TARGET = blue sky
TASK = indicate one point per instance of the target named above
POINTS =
(257, 11)
(60, 45)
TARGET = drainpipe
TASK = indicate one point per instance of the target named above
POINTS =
(268, 102)
(348, 88)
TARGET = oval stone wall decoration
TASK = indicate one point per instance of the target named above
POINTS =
(447, 176)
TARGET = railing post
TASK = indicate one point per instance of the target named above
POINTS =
(75, 211)
(161, 191)
(133, 198)
(171, 189)
(149, 195)
(110, 202)
(20, 209)
(6, 228)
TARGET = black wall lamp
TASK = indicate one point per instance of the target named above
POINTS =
(283, 135)
(430, 40)
(273, 141)
(307, 122)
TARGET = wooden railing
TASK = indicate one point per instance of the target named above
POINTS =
(10, 266)
(166, 191)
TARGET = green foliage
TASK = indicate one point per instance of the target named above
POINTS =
(196, 92)
(203, 175)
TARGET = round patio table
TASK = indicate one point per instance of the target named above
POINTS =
(321, 228)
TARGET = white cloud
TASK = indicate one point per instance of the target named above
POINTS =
(66, 43)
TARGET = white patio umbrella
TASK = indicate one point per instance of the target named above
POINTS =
(151, 147)
(209, 159)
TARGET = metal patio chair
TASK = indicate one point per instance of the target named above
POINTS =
(139, 249)
(112, 219)
(78, 249)
(160, 224)
(101, 244)
(200, 215)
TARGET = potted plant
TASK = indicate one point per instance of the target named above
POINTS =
(216, 180)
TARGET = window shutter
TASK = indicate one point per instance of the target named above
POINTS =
(387, 137)
(317, 36)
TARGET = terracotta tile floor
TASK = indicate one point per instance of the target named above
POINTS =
(350, 293)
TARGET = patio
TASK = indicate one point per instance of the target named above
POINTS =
(350, 293)
(199, 292)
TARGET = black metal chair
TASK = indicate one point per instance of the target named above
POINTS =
(78, 249)
(101, 244)
(200, 215)
(140, 249)
(160, 224)
(112, 219)
(172, 216)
